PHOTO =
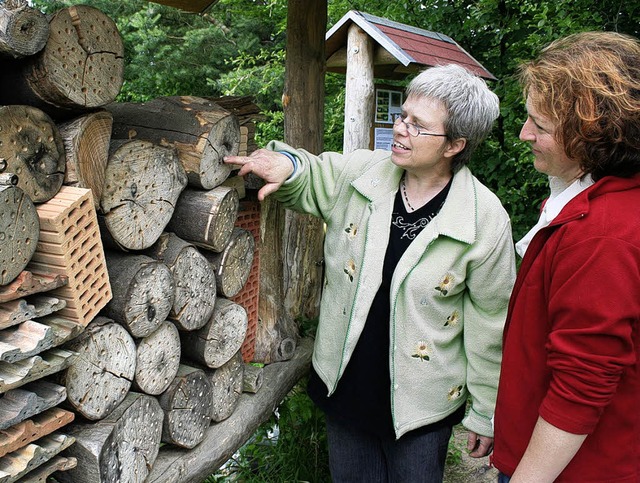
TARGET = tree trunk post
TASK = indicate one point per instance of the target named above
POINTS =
(358, 111)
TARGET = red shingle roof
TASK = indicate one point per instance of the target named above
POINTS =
(413, 48)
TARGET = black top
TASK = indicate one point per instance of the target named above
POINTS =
(363, 396)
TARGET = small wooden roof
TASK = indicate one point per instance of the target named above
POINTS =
(399, 49)
(197, 6)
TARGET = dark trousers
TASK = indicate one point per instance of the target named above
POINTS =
(358, 456)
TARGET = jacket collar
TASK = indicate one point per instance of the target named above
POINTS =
(457, 218)
(579, 205)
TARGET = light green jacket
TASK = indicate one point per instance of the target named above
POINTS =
(449, 291)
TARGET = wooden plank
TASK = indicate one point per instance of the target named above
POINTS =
(29, 430)
(224, 438)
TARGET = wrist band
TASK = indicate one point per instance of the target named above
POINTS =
(294, 161)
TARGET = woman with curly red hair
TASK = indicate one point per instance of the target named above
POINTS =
(567, 407)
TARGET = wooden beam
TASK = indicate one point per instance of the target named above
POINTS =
(222, 440)
(381, 56)
(196, 6)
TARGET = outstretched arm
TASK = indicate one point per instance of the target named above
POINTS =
(273, 167)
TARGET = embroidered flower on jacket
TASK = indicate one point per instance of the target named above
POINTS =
(453, 319)
(421, 351)
(350, 269)
(351, 230)
(454, 393)
(445, 284)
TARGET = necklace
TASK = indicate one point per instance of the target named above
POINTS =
(404, 193)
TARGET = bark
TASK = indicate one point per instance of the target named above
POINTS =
(201, 131)
(253, 377)
(31, 147)
(206, 218)
(86, 141)
(23, 31)
(142, 183)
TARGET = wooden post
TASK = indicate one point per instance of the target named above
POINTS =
(291, 269)
(358, 110)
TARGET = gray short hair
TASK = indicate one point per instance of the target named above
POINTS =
(471, 106)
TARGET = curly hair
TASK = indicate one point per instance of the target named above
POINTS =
(589, 85)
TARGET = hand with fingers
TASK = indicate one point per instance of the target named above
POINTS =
(479, 446)
(273, 167)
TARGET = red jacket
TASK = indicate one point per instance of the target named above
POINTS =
(571, 343)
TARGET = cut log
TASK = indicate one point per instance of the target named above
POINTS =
(187, 407)
(86, 142)
(157, 360)
(27, 401)
(226, 385)
(120, 448)
(101, 376)
(206, 218)
(19, 231)
(13, 375)
(222, 336)
(223, 439)
(202, 132)
(253, 377)
(143, 292)
(194, 281)
(31, 147)
(30, 430)
(232, 266)
(17, 464)
(23, 31)
(81, 66)
(29, 282)
(142, 184)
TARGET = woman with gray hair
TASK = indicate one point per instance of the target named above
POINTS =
(419, 268)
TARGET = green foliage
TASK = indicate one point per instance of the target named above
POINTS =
(291, 446)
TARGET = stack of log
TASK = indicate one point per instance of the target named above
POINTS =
(120, 262)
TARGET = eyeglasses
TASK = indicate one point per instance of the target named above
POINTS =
(414, 130)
